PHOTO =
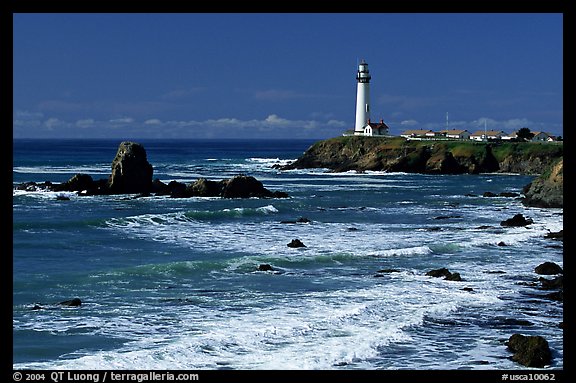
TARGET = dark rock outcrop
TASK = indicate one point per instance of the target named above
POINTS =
(530, 351)
(131, 171)
(240, 186)
(299, 220)
(548, 268)
(296, 243)
(548, 189)
(552, 284)
(78, 182)
(517, 220)
(444, 272)
(75, 302)
(555, 235)
(203, 187)
(132, 174)
(265, 267)
(245, 187)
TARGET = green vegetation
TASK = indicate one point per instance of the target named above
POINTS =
(458, 148)
(502, 150)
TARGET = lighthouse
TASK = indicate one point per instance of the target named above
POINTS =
(363, 125)
(362, 98)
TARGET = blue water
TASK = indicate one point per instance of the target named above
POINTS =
(171, 283)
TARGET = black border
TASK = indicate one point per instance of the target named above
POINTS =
(367, 6)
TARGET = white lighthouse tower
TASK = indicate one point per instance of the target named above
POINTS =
(362, 99)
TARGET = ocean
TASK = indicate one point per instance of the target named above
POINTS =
(180, 284)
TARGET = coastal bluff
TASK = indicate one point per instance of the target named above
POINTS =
(396, 154)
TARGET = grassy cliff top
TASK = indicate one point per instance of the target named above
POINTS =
(459, 148)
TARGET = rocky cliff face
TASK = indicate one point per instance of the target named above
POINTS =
(395, 154)
(547, 190)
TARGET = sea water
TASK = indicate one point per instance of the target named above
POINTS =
(170, 283)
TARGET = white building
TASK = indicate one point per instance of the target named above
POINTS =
(542, 136)
(457, 134)
(418, 133)
(483, 135)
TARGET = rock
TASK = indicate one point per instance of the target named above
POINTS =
(548, 268)
(160, 188)
(554, 283)
(131, 171)
(437, 273)
(448, 217)
(72, 302)
(508, 194)
(444, 163)
(78, 182)
(299, 220)
(296, 243)
(236, 187)
(517, 220)
(132, 174)
(530, 351)
(243, 186)
(265, 267)
(388, 271)
(62, 198)
(555, 235)
(444, 272)
(556, 296)
(548, 189)
(204, 188)
(453, 277)
(177, 189)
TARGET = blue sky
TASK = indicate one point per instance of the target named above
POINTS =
(282, 75)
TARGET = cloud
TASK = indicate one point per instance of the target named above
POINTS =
(86, 123)
(122, 121)
(53, 124)
(30, 125)
(409, 123)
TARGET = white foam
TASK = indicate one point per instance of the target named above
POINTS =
(316, 330)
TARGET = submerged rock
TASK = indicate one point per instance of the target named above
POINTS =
(555, 235)
(75, 302)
